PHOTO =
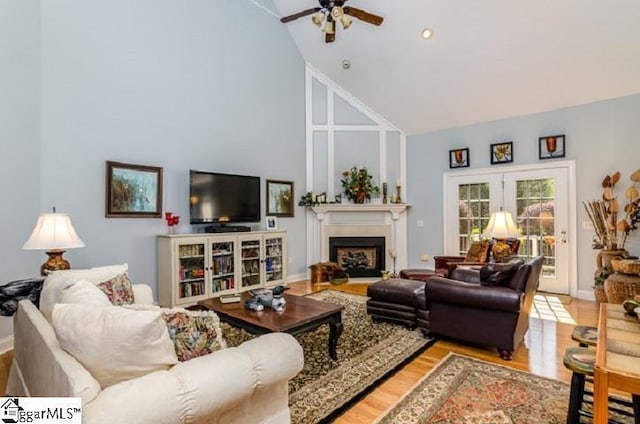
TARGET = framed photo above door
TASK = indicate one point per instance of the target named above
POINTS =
(502, 152)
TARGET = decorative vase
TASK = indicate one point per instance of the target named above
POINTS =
(603, 260)
(619, 287)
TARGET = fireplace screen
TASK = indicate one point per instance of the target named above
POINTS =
(359, 256)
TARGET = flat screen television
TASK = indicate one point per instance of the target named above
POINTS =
(219, 199)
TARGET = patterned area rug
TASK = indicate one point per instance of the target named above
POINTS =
(466, 390)
(367, 353)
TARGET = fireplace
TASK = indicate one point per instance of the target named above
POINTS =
(359, 256)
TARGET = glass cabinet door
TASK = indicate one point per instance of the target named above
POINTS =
(222, 266)
(250, 259)
(191, 270)
(273, 259)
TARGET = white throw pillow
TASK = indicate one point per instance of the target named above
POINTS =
(113, 343)
(58, 281)
(85, 293)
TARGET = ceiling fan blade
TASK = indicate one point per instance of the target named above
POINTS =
(330, 38)
(363, 15)
(295, 16)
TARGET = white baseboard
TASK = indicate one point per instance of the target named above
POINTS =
(6, 344)
(586, 295)
(297, 277)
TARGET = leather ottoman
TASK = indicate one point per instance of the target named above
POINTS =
(419, 274)
(396, 300)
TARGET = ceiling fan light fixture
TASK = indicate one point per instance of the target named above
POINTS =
(317, 19)
(426, 33)
(336, 13)
(346, 22)
(330, 28)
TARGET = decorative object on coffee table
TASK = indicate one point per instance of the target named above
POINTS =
(53, 233)
(358, 185)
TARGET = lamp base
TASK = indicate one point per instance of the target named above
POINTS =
(55, 262)
(500, 250)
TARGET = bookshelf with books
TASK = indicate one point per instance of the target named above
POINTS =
(193, 267)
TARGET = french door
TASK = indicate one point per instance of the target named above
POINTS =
(537, 198)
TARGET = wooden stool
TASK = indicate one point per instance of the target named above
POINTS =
(585, 335)
(580, 361)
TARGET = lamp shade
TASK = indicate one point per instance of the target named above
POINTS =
(501, 226)
(53, 231)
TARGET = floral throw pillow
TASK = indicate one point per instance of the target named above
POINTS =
(118, 290)
(194, 333)
(478, 251)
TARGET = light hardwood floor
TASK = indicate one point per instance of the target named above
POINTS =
(541, 354)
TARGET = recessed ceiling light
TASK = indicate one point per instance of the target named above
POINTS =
(427, 33)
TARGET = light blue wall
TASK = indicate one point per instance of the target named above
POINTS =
(19, 136)
(214, 85)
(602, 137)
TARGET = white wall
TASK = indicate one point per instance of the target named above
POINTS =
(602, 137)
(214, 85)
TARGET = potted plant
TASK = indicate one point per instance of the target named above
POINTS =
(358, 185)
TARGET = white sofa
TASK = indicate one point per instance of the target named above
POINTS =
(246, 384)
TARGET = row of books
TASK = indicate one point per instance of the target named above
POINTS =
(220, 284)
(222, 265)
(195, 288)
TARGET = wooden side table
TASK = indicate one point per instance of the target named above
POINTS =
(617, 358)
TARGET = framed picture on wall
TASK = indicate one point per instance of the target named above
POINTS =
(502, 152)
(133, 191)
(280, 198)
(551, 147)
(459, 158)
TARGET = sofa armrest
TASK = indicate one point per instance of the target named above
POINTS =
(442, 261)
(453, 292)
(193, 390)
(142, 294)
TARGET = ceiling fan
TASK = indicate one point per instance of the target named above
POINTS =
(332, 11)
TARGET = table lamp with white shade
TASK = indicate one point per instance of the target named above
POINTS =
(53, 233)
(500, 228)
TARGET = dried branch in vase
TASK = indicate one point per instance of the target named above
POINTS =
(611, 233)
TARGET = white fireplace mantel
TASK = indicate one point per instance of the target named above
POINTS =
(370, 219)
(395, 209)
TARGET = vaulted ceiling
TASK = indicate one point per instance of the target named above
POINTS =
(487, 59)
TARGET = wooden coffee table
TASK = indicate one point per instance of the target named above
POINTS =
(300, 315)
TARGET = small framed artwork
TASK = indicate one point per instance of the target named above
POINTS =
(551, 147)
(133, 191)
(280, 198)
(459, 158)
(272, 223)
(502, 152)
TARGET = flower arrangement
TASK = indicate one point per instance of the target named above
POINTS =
(358, 185)
(612, 233)
(171, 220)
